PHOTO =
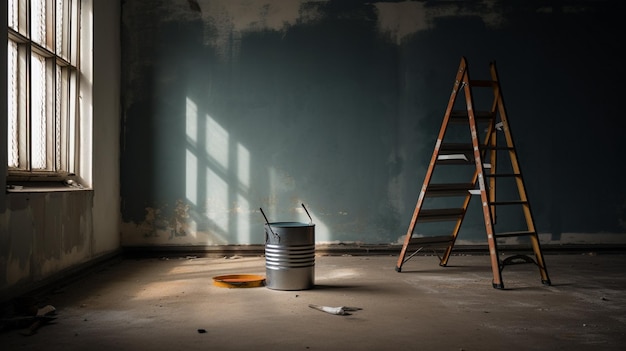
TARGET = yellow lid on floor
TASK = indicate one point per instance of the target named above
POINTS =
(239, 281)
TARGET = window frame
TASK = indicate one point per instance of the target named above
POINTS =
(62, 65)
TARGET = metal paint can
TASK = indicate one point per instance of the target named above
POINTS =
(289, 255)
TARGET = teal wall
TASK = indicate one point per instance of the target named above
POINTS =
(233, 106)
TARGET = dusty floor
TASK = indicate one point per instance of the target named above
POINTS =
(172, 304)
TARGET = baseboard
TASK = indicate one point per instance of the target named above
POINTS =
(44, 286)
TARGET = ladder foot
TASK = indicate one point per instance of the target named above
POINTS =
(546, 282)
(498, 286)
(398, 269)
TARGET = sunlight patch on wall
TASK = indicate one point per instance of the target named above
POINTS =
(242, 205)
(322, 234)
(191, 160)
(242, 211)
(212, 159)
(191, 122)
(191, 177)
(243, 167)
(216, 142)
(217, 200)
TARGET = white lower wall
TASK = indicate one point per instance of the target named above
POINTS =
(44, 235)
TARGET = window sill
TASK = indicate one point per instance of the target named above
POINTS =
(45, 187)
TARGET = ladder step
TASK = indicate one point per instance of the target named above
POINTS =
(440, 214)
(432, 241)
(514, 234)
(452, 157)
(455, 154)
(456, 148)
(453, 161)
(463, 148)
(452, 189)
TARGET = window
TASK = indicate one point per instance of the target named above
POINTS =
(43, 84)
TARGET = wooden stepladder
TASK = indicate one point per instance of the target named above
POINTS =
(443, 198)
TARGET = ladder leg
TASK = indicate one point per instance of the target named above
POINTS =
(495, 265)
(543, 271)
(455, 232)
(442, 131)
(505, 127)
(484, 192)
(407, 239)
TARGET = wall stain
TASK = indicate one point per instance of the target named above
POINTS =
(155, 221)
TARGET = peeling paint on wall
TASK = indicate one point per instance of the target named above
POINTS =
(46, 233)
(400, 20)
(226, 20)
(172, 226)
(333, 103)
(16, 270)
(158, 222)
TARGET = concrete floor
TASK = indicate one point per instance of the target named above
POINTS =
(165, 304)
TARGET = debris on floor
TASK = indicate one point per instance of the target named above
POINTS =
(30, 323)
(234, 257)
(341, 310)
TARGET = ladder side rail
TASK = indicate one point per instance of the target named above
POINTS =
(517, 171)
(491, 140)
(493, 158)
(512, 151)
(420, 200)
(490, 137)
(443, 260)
(490, 153)
(493, 250)
(506, 127)
(534, 237)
